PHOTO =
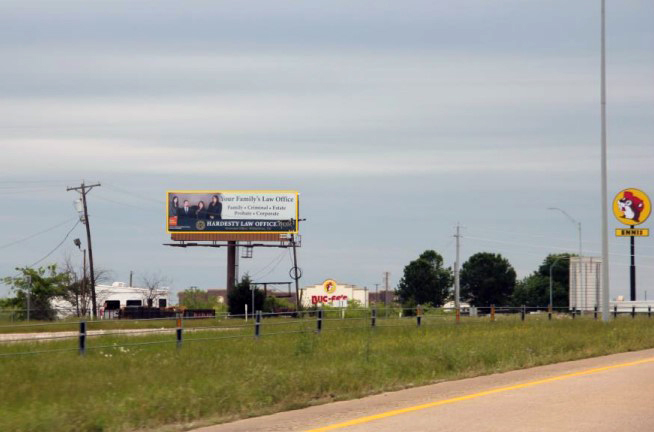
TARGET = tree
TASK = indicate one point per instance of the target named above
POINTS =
(425, 281)
(487, 279)
(46, 284)
(534, 290)
(78, 292)
(241, 295)
(153, 284)
(194, 298)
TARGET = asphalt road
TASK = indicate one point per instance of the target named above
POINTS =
(602, 394)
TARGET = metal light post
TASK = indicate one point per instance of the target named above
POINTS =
(574, 221)
(604, 202)
(578, 224)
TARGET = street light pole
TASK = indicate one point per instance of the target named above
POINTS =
(605, 216)
(581, 272)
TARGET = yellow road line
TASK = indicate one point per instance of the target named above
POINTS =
(392, 413)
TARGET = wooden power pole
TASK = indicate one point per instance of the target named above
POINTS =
(83, 189)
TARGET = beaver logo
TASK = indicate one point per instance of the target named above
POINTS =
(631, 207)
(329, 286)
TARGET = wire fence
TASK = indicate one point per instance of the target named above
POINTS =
(84, 335)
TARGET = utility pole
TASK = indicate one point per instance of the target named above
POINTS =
(131, 274)
(376, 293)
(604, 202)
(83, 190)
(386, 287)
(457, 283)
(29, 294)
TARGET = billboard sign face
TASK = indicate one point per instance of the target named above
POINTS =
(631, 207)
(231, 212)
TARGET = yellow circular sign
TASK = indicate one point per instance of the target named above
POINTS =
(329, 285)
(632, 206)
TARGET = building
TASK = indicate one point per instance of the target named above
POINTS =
(585, 283)
(331, 293)
(382, 298)
(111, 298)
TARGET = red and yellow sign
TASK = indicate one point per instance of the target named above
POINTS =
(329, 286)
(632, 206)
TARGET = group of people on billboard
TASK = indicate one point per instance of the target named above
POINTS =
(188, 213)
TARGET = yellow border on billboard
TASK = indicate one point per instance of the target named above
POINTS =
(209, 191)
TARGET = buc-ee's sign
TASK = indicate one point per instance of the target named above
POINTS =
(329, 286)
(327, 299)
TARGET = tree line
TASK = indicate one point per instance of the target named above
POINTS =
(485, 279)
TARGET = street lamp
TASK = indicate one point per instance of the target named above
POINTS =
(578, 224)
(573, 220)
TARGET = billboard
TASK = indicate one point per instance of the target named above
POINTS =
(230, 212)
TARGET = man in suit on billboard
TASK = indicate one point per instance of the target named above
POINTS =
(186, 215)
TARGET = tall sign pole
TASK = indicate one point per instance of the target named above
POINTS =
(83, 190)
(457, 283)
(632, 269)
(632, 207)
(605, 203)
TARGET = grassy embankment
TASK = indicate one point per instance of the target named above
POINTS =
(158, 387)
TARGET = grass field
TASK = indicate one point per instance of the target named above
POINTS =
(120, 388)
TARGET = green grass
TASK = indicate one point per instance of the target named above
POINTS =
(158, 387)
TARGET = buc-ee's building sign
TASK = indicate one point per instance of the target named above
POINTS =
(329, 293)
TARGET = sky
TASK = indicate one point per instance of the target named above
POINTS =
(394, 120)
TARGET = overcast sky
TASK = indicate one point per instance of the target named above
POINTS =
(394, 119)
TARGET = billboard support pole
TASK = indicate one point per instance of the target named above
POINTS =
(296, 275)
(231, 266)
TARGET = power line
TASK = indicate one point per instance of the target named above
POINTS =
(36, 234)
(58, 246)
(134, 194)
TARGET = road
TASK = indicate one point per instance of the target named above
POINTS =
(602, 394)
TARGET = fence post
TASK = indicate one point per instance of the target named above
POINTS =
(595, 313)
(522, 312)
(82, 338)
(649, 311)
(574, 312)
(373, 318)
(178, 331)
(418, 315)
(257, 324)
(549, 312)
(319, 321)
(458, 315)
(492, 311)
(615, 311)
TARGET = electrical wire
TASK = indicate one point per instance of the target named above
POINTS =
(134, 194)
(58, 246)
(35, 234)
